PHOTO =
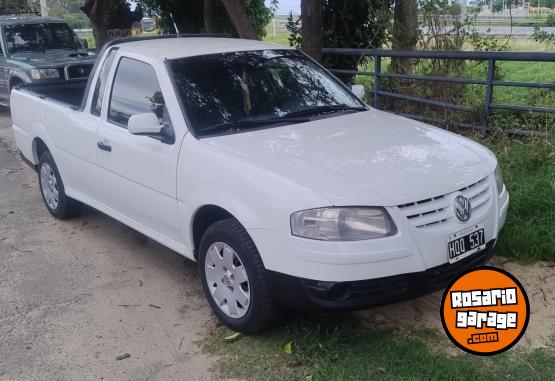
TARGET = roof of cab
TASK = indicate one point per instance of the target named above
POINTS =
(17, 20)
(180, 47)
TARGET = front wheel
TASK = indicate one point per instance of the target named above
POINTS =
(234, 278)
(52, 189)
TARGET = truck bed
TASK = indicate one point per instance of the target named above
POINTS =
(69, 93)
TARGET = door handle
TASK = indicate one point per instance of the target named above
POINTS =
(104, 145)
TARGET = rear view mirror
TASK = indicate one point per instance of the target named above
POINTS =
(147, 124)
(144, 124)
(359, 91)
(85, 43)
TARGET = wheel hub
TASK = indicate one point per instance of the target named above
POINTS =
(227, 280)
(49, 185)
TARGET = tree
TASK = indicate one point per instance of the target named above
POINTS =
(208, 15)
(240, 18)
(362, 24)
(311, 15)
(109, 14)
(405, 33)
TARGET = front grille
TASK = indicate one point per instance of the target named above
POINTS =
(78, 71)
(438, 210)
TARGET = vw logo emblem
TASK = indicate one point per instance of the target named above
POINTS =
(463, 209)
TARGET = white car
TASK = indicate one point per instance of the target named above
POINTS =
(253, 160)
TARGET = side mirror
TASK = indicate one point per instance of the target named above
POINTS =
(85, 43)
(144, 124)
(147, 124)
(359, 91)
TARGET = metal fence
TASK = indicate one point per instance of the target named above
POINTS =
(490, 82)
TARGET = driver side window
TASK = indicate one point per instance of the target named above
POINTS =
(136, 90)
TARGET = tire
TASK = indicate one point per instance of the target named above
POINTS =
(52, 190)
(218, 285)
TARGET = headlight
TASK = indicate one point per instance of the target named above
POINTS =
(499, 179)
(44, 73)
(342, 224)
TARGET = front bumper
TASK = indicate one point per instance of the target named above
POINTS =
(307, 294)
(414, 249)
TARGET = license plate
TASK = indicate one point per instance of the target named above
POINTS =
(464, 243)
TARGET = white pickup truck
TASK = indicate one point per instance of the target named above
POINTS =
(253, 160)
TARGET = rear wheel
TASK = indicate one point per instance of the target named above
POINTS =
(52, 190)
(234, 278)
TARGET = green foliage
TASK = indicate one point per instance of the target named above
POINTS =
(486, 43)
(189, 17)
(542, 36)
(340, 347)
(442, 20)
(349, 24)
(76, 20)
(529, 173)
(294, 28)
(346, 24)
(550, 20)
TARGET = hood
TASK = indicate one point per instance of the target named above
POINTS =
(370, 158)
(51, 58)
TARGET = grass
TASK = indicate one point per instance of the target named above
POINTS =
(529, 174)
(89, 37)
(281, 39)
(339, 347)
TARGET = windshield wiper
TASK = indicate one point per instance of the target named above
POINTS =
(251, 123)
(326, 110)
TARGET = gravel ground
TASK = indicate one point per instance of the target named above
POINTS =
(76, 294)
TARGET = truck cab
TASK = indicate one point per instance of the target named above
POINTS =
(39, 50)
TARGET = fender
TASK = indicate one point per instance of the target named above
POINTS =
(17, 75)
(38, 130)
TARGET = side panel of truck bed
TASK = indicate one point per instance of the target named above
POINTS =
(70, 135)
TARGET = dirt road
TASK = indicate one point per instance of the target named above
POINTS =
(75, 294)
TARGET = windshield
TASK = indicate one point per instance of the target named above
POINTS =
(39, 37)
(232, 92)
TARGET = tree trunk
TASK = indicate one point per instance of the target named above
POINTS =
(100, 33)
(209, 26)
(311, 16)
(405, 33)
(240, 19)
(100, 12)
(109, 14)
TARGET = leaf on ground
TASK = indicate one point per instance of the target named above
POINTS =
(288, 348)
(232, 337)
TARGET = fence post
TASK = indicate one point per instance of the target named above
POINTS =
(377, 81)
(489, 95)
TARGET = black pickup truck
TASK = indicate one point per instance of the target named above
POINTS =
(39, 50)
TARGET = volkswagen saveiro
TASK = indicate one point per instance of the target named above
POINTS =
(253, 160)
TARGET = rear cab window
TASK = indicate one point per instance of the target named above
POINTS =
(100, 86)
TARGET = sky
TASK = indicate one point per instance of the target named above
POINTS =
(286, 6)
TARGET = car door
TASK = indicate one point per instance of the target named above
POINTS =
(137, 174)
